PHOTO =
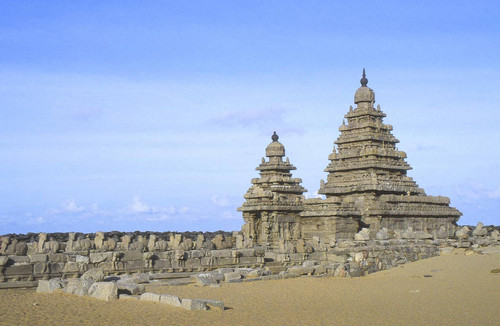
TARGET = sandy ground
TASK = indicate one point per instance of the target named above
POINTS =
(454, 289)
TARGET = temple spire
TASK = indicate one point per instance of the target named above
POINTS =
(275, 137)
(363, 80)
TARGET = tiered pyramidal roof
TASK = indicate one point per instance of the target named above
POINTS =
(367, 159)
(276, 189)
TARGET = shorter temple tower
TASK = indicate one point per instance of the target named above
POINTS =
(273, 202)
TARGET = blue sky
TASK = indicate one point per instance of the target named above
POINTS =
(128, 115)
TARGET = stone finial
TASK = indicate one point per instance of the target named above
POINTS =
(364, 80)
(275, 136)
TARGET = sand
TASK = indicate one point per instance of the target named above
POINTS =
(453, 289)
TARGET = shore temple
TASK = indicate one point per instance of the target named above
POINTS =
(367, 187)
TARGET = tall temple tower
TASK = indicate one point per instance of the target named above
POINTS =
(367, 185)
(274, 201)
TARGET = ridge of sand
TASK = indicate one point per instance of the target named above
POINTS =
(453, 289)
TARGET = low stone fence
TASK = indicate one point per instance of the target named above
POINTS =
(46, 259)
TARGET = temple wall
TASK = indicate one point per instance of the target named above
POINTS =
(356, 257)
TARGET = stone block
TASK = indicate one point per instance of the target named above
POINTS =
(58, 258)
(214, 304)
(225, 261)
(71, 267)
(309, 263)
(358, 257)
(335, 258)
(19, 259)
(94, 274)
(247, 252)
(38, 258)
(193, 262)
(56, 268)
(222, 253)
(320, 269)
(107, 266)
(177, 263)
(4, 260)
(317, 255)
(134, 265)
(124, 296)
(208, 261)
(162, 264)
(150, 297)
(300, 270)
(50, 286)
(21, 270)
(78, 286)
(40, 268)
(170, 300)
(82, 259)
(193, 304)
(99, 257)
(130, 288)
(205, 279)
(196, 254)
(232, 276)
(248, 260)
(137, 278)
(132, 255)
(104, 291)
(166, 255)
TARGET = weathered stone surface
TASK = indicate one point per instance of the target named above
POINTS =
(130, 288)
(23, 270)
(4, 260)
(38, 258)
(52, 285)
(495, 235)
(123, 296)
(320, 269)
(71, 267)
(382, 234)
(94, 274)
(309, 263)
(300, 270)
(193, 304)
(362, 235)
(214, 304)
(170, 300)
(137, 278)
(131, 255)
(232, 276)
(103, 291)
(99, 257)
(78, 286)
(463, 233)
(206, 279)
(150, 297)
(480, 230)
(82, 259)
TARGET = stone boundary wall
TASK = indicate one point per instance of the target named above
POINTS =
(47, 259)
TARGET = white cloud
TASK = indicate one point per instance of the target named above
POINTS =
(219, 201)
(138, 206)
(71, 207)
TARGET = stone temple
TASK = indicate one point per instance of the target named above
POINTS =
(367, 187)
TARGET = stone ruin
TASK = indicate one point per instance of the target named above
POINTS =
(374, 217)
(367, 189)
